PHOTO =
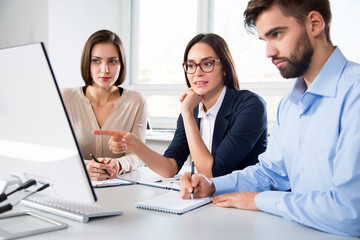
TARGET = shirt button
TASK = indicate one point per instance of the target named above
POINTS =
(302, 141)
(302, 115)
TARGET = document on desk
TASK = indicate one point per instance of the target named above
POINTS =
(160, 182)
(111, 182)
(171, 202)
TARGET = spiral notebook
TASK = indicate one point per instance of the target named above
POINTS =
(171, 202)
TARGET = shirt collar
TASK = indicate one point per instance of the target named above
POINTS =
(214, 109)
(325, 83)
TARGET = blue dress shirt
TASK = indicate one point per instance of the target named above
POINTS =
(314, 150)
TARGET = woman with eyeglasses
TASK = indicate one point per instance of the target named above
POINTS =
(222, 127)
(103, 104)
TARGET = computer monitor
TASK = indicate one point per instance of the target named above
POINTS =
(37, 140)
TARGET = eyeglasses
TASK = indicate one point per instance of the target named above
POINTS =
(206, 65)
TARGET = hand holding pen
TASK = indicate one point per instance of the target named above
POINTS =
(192, 172)
(191, 182)
(95, 159)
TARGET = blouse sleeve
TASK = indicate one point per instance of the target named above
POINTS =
(130, 161)
(178, 148)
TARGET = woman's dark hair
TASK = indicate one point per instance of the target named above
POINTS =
(102, 36)
(222, 50)
(299, 9)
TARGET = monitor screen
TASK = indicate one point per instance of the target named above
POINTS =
(37, 140)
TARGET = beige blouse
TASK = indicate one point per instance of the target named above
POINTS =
(129, 114)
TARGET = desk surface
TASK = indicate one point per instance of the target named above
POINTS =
(208, 222)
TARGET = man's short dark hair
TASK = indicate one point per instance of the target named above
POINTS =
(299, 9)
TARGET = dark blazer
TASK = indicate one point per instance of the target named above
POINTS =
(240, 133)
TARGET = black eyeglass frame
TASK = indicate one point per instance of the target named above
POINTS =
(199, 65)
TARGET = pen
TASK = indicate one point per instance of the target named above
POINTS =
(192, 172)
(95, 159)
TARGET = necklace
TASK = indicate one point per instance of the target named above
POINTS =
(112, 98)
(101, 106)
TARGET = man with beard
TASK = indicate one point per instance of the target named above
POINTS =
(310, 172)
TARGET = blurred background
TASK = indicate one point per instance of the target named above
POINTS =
(155, 33)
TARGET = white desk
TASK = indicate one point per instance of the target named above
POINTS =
(208, 222)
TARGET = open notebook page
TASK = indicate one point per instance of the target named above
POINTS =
(171, 202)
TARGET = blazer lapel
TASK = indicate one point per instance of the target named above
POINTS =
(222, 118)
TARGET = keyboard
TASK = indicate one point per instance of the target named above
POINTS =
(81, 212)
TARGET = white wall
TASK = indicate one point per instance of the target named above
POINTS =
(344, 27)
(23, 21)
(70, 25)
(64, 26)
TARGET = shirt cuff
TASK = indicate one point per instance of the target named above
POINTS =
(222, 185)
(124, 166)
(268, 201)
